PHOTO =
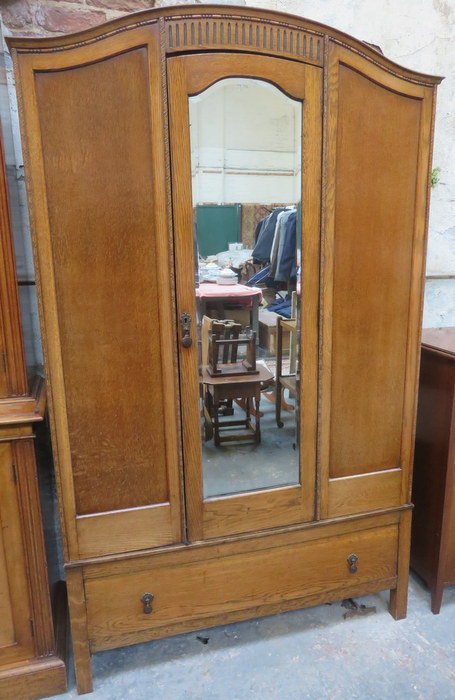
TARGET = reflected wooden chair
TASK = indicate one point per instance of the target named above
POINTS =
(288, 380)
(226, 378)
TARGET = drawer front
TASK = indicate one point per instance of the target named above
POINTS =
(203, 589)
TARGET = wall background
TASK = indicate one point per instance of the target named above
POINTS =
(419, 34)
(245, 144)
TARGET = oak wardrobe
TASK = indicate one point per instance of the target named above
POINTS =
(128, 127)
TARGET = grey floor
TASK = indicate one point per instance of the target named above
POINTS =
(312, 653)
(236, 467)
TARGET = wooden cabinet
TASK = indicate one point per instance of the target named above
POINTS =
(433, 494)
(29, 664)
(163, 532)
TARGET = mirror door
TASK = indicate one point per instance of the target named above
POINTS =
(245, 133)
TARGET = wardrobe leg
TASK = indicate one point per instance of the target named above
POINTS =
(436, 598)
(79, 632)
(399, 596)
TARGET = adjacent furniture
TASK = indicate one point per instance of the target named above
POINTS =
(267, 332)
(248, 389)
(108, 162)
(433, 494)
(231, 352)
(30, 665)
(231, 375)
(290, 379)
(222, 295)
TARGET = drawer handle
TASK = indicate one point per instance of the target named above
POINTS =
(147, 601)
(352, 561)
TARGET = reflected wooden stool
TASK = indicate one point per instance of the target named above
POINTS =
(220, 389)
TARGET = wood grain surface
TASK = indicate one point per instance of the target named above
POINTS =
(104, 257)
(225, 584)
(374, 244)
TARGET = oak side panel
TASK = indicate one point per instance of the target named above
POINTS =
(377, 151)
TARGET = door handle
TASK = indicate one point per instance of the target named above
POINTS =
(185, 320)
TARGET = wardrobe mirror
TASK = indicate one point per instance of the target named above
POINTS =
(246, 188)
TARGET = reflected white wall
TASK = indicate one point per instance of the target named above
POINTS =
(245, 139)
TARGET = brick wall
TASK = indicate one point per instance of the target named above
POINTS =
(54, 17)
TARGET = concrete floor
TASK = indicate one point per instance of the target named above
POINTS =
(234, 467)
(312, 653)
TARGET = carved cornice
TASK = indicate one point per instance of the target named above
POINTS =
(205, 32)
(215, 28)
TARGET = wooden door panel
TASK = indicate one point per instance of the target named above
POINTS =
(374, 217)
(106, 286)
(16, 641)
(254, 510)
(377, 168)
(104, 257)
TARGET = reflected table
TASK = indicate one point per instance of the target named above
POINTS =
(247, 387)
(224, 294)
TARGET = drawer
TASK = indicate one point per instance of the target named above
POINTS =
(201, 591)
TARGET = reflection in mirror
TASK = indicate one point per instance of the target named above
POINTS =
(246, 184)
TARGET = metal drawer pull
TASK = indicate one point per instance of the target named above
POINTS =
(352, 561)
(147, 600)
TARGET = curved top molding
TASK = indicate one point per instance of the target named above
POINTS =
(213, 27)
